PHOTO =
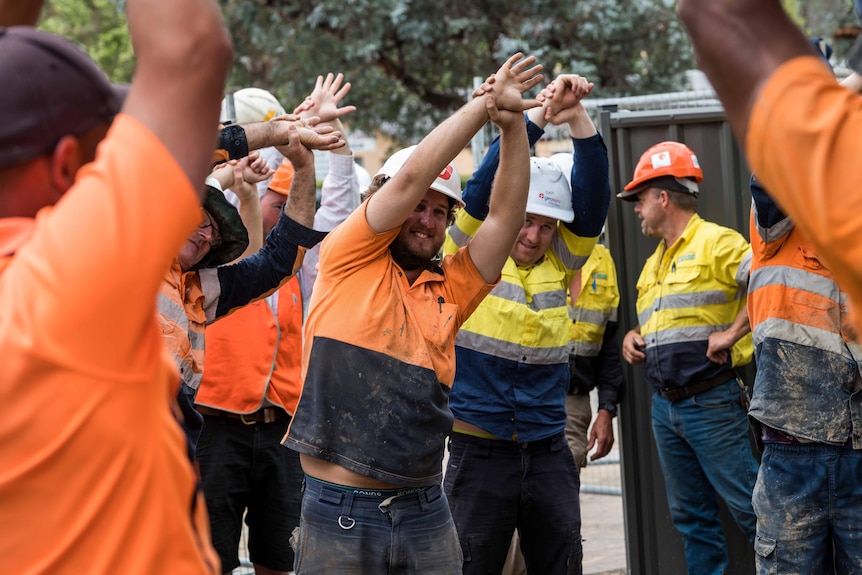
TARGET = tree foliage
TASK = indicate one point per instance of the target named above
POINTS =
(412, 62)
(99, 26)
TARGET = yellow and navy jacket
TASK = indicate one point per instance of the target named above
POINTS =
(512, 370)
(594, 354)
(687, 291)
(806, 349)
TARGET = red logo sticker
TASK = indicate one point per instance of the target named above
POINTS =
(447, 172)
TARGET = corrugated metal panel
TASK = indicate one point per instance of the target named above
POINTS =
(653, 544)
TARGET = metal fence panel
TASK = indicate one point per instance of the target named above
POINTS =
(653, 545)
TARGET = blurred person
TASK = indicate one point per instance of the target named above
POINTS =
(96, 477)
(797, 125)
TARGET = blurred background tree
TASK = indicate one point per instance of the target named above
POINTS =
(412, 62)
(98, 25)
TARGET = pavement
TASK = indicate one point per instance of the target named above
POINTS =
(603, 531)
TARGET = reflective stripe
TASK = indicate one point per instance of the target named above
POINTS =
(512, 351)
(510, 292)
(774, 233)
(799, 333)
(794, 278)
(693, 299)
(460, 238)
(594, 317)
(571, 253)
(743, 274)
(688, 334)
(585, 348)
(548, 300)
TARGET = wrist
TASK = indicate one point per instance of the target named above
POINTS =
(611, 408)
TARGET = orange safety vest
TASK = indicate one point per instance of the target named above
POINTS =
(254, 354)
(805, 345)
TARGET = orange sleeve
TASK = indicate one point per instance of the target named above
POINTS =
(804, 144)
(87, 280)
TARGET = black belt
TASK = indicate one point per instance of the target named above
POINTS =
(677, 393)
(263, 415)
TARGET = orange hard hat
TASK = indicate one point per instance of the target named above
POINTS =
(667, 159)
(282, 179)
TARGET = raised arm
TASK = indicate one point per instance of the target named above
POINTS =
(183, 55)
(493, 241)
(395, 200)
(739, 44)
(20, 12)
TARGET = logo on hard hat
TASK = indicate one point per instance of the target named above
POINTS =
(661, 160)
(447, 172)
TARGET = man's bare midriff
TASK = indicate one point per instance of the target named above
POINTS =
(459, 425)
(334, 473)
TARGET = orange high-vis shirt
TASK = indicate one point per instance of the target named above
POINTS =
(804, 144)
(255, 355)
(94, 470)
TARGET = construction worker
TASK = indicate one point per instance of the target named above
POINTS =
(378, 354)
(808, 374)
(692, 331)
(799, 127)
(251, 380)
(594, 352)
(509, 466)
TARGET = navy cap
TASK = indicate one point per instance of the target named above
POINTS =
(52, 88)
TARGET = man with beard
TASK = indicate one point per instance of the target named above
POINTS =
(379, 360)
(693, 330)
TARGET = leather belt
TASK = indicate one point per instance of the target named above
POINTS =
(262, 415)
(677, 393)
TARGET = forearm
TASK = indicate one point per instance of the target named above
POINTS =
(492, 243)
(20, 12)
(182, 59)
(339, 195)
(477, 192)
(609, 368)
(300, 205)
(591, 187)
(740, 326)
(258, 275)
(249, 213)
(739, 44)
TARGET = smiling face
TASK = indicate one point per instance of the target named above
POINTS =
(534, 239)
(422, 234)
(199, 243)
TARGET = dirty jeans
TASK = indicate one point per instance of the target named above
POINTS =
(704, 451)
(350, 531)
(808, 500)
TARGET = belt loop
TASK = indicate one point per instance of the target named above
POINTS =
(424, 498)
(268, 415)
(345, 521)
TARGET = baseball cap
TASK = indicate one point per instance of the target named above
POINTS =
(53, 89)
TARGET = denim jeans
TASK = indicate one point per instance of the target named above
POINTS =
(495, 486)
(808, 500)
(352, 531)
(704, 451)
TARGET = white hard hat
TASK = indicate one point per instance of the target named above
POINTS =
(565, 161)
(550, 193)
(447, 183)
(363, 176)
(253, 105)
